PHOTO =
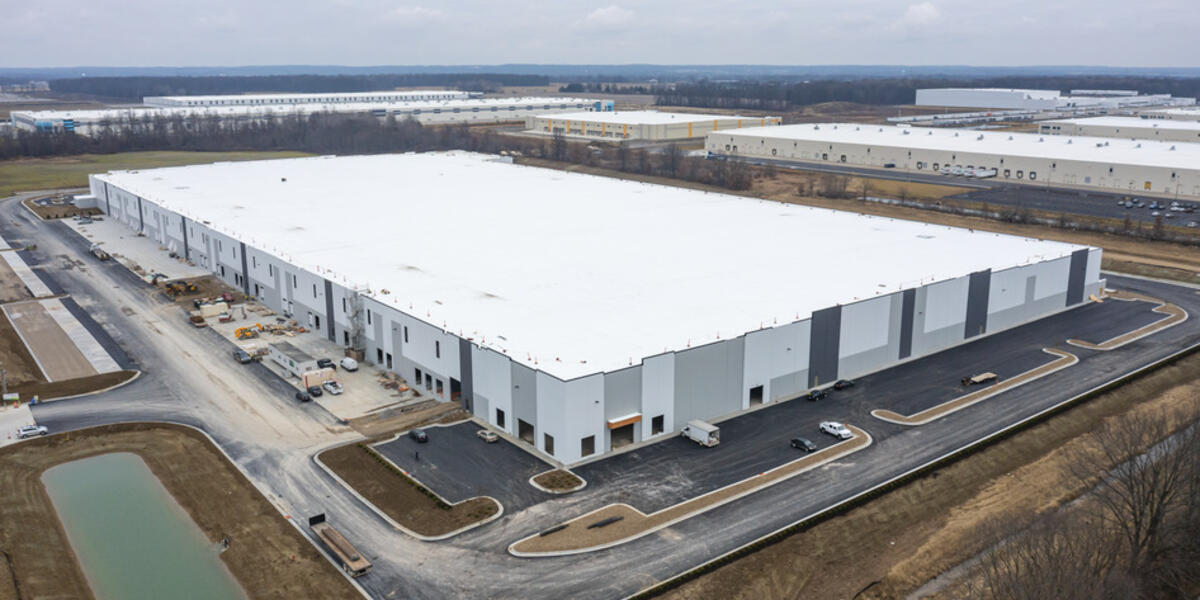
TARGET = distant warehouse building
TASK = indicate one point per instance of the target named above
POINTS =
(1125, 127)
(1168, 168)
(439, 112)
(583, 335)
(287, 99)
(1172, 114)
(1044, 100)
(640, 124)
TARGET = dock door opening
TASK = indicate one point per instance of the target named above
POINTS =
(756, 395)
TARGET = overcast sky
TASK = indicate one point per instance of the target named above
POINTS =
(45, 33)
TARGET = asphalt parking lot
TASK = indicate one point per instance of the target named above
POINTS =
(1091, 203)
(458, 465)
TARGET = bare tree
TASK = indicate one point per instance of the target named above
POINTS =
(671, 159)
(1139, 481)
(558, 146)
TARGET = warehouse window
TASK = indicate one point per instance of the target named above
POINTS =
(254, 261)
(368, 316)
(1007, 173)
(294, 284)
(344, 305)
(428, 381)
(935, 166)
(656, 425)
(437, 349)
(388, 359)
(1020, 174)
(587, 446)
(439, 387)
(500, 418)
(824, 156)
(1033, 174)
(314, 290)
(406, 334)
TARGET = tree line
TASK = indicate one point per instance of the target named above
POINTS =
(783, 96)
(136, 88)
(1134, 535)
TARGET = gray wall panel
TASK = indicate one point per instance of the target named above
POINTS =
(524, 396)
(908, 306)
(1076, 276)
(708, 381)
(977, 303)
(468, 374)
(622, 392)
(330, 328)
(790, 385)
(245, 269)
(823, 346)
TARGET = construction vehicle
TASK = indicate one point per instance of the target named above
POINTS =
(248, 333)
(979, 379)
(177, 288)
(350, 559)
(99, 252)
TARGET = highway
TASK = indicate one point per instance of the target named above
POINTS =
(189, 378)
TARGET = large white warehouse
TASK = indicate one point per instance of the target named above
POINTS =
(439, 112)
(1125, 127)
(1043, 100)
(329, 98)
(1143, 167)
(583, 313)
(647, 125)
(1172, 114)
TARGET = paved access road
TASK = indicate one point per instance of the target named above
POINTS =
(189, 378)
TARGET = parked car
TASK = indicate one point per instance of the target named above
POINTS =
(843, 384)
(28, 431)
(814, 395)
(349, 364)
(334, 388)
(242, 356)
(302, 396)
(419, 435)
(803, 444)
(836, 429)
(315, 391)
(325, 363)
(487, 435)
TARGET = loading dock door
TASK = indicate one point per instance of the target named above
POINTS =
(525, 431)
(622, 436)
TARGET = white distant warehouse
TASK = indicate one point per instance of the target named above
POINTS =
(582, 313)
(640, 124)
(1125, 127)
(328, 98)
(1152, 167)
(431, 112)
(1172, 114)
(1043, 100)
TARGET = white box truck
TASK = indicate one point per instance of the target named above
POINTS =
(705, 434)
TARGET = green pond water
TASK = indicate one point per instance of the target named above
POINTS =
(131, 538)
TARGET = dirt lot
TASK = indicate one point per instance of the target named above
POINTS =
(399, 498)
(17, 360)
(269, 558)
(906, 538)
(59, 211)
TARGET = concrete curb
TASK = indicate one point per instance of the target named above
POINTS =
(316, 457)
(136, 375)
(582, 482)
(995, 390)
(983, 441)
(754, 489)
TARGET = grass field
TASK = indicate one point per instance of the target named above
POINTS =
(72, 171)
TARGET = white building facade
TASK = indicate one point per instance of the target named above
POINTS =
(568, 408)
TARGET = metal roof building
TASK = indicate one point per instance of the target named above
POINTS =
(431, 112)
(1125, 127)
(1143, 167)
(641, 124)
(288, 99)
(584, 313)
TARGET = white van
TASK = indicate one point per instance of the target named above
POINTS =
(705, 434)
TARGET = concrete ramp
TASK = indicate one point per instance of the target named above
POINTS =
(36, 286)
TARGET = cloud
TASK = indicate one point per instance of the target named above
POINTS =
(920, 15)
(610, 16)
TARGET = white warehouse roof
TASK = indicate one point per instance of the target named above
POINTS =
(568, 273)
(314, 97)
(296, 109)
(1181, 155)
(1132, 122)
(641, 117)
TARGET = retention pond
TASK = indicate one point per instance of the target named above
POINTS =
(131, 538)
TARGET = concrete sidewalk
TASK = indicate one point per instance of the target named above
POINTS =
(36, 286)
(135, 251)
